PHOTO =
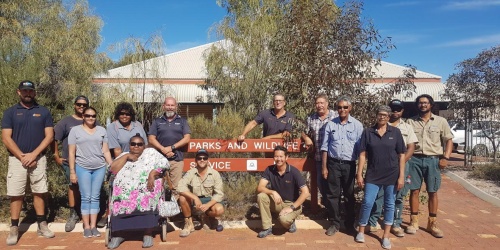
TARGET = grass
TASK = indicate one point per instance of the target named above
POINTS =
(487, 172)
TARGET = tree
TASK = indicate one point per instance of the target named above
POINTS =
(474, 92)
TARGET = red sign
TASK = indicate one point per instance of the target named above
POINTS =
(249, 164)
(249, 145)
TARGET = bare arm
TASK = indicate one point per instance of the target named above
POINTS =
(443, 162)
(72, 164)
(262, 188)
(410, 148)
(250, 125)
(307, 141)
(401, 177)
(118, 163)
(10, 144)
(55, 149)
(361, 166)
(28, 158)
(324, 169)
(107, 154)
(117, 151)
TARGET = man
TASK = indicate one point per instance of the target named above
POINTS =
(340, 149)
(315, 128)
(409, 138)
(168, 133)
(433, 133)
(285, 195)
(27, 130)
(277, 121)
(61, 132)
(202, 187)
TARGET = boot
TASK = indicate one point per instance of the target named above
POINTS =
(413, 227)
(188, 227)
(433, 229)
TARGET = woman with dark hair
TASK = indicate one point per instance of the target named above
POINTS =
(123, 128)
(88, 155)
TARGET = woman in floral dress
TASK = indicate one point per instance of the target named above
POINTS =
(137, 190)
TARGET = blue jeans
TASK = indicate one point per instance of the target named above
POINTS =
(90, 182)
(371, 191)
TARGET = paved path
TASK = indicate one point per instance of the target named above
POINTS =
(467, 221)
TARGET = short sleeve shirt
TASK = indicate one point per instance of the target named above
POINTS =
(382, 153)
(169, 132)
(407, 132)
(316, 130)
(431, 135)
(287, 185)
(28, 125)
(210, 187)
(89, 153)
(341, 140)
(119, 136)
(274, 125)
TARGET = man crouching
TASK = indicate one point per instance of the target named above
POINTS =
(285, 196)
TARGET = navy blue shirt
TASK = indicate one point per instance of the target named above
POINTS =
(28, 125)
(274, 125)
(382, 153)
(287, 185)
(167, 133)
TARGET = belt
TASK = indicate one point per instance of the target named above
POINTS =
(425, 156)
(341, 161)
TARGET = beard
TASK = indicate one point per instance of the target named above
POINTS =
(169, 113)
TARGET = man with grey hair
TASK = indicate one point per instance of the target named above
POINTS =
(340, 150)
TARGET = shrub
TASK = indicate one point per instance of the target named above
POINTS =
(487, 172)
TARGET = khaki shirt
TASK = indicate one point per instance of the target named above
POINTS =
(407, 132)
(210, 187)
(432, 135)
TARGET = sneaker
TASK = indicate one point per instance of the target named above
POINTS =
(71, 222)
(95, 232)
(13, 236)
(147, 241)
(115, 242)
(331, 230)
(87, 233)
(102, 222)
(265, 233)
(293, 228)
(43, 230)
(398, 231)
(360, 238)
(188, 227)
(386, 243)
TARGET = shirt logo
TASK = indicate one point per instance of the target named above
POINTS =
(37, 115)
(390, 138)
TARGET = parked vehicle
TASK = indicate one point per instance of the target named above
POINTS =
(458, 131)
(481, 144)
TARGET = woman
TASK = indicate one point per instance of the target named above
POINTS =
(123, 128)
(137, 189)
(88, 154)
(383, 146)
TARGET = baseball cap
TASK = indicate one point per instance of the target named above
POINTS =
(82, 97)
(26, 85)
(202, 152)
(396, 103)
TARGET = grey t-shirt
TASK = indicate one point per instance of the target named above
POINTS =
(61, 132)
(89, 153)
(119, 136)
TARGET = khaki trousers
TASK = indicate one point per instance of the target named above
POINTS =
(267, 205)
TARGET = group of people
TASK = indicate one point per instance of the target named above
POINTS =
(398, 155)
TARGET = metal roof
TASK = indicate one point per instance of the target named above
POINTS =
(434, 89)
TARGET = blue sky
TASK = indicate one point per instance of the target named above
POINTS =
(432, 35)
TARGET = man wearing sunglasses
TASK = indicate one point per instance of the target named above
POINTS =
(201, 188)
(340, 150)
(27, 131)
(61, 132)
(409, 137)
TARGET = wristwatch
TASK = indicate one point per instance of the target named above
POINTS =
(293, 207)
(173, 147)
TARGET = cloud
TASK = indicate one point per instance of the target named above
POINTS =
(470, 4)
(403, 3)
(491, 39)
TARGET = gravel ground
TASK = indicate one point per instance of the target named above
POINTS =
(490, 187)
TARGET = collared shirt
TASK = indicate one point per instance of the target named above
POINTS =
(316, 130)
(211, 186)
(431, 135)
(342, 140)
(287, 185)
(382, 153)
(407, 132)
(169, 132)
(28, 125)
(274, 125)
(119, 136)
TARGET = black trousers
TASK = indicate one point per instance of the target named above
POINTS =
(340, 181)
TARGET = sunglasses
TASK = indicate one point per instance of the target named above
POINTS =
(396, 110)
(81, 105)
(138, 144)
(201, 158)
(125, 114)
(342, 107)
(89, 116)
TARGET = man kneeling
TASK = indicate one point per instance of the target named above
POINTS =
(283, 196)
(201, 188)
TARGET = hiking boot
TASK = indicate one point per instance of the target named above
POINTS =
(43, 230)
(398, 231)
(372, 229)
(266, 232)
(433, 229)
(188, 227)
(71, 222)
(102, 222)
(13, 236)
(413, 227)
(331, 230)
(293, 228)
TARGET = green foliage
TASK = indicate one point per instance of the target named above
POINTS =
(240, 194)
(486, 172)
